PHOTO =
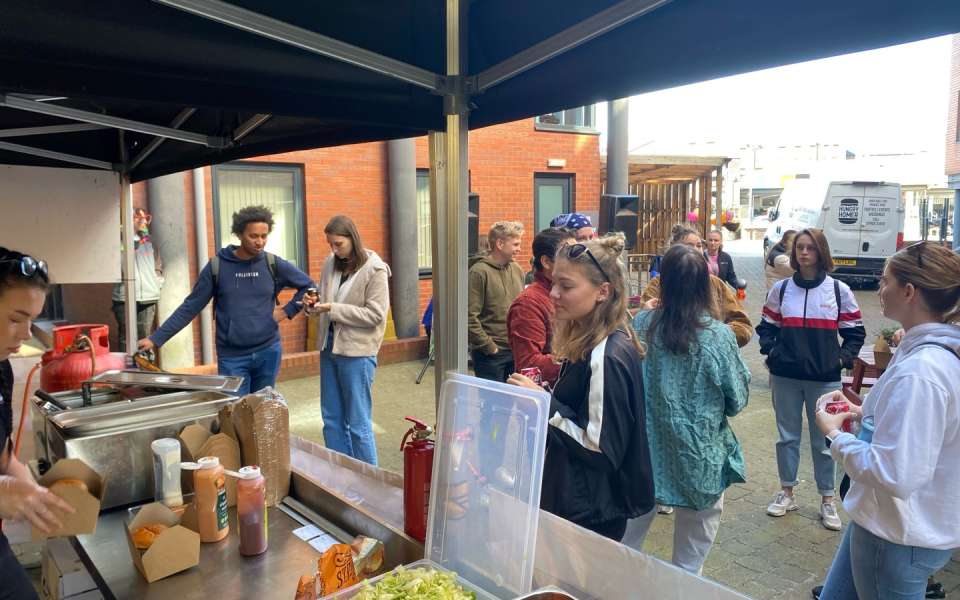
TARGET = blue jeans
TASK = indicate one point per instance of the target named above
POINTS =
(346, 404)
(867, 567)
(258, 369)
(791, 398)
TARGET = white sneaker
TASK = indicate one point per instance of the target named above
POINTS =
(829, 516)
(782, 503)
(664, 510)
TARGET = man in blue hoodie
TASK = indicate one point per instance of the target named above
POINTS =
(244, 293)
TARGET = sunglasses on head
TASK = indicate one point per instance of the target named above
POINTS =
(29, 266)
(575, 250)
(919, 246)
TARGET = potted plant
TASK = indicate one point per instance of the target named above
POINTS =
(882, 347)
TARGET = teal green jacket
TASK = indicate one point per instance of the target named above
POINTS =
(695, 454)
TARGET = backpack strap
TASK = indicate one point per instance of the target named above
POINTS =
(836, 292)
(783, 290)
(949, 349)
(271, 264)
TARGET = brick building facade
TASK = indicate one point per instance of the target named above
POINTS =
(505, 161)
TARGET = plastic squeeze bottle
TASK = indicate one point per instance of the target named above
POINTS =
(210, 499)
(252, 511)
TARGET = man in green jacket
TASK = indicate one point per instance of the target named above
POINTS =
(495, 282)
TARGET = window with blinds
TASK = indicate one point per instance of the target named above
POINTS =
(279, 187)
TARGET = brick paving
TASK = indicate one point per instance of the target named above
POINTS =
(760, 556)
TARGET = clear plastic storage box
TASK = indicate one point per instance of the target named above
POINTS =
(485, 493)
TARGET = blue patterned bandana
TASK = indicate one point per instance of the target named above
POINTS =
(571, 221)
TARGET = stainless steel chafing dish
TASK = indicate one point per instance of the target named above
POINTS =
(112, 420)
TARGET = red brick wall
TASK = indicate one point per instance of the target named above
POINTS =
(352, 180)
(953, 108)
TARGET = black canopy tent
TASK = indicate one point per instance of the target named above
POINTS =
(152, 88)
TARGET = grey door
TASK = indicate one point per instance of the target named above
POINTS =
(552, 196)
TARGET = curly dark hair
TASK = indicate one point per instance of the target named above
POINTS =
(251, 214)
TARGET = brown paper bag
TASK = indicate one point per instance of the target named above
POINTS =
(261, 423)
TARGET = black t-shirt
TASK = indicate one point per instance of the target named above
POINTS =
(6, 402)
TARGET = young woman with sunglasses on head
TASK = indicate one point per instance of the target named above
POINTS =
(597, 472)
(905, 463)
(802, 319)
(694, 379)
(23, 286)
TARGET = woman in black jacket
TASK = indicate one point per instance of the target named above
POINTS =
(597, 472)
(720, 263)
(23, 285)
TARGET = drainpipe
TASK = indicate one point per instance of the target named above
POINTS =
(200, 235)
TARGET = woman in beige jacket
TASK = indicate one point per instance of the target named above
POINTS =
(352, 313)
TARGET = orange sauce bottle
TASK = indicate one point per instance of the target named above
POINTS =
(210, 500)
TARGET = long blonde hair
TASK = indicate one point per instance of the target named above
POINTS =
(574, 340)
(935, 272)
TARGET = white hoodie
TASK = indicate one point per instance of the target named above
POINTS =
(906, 482)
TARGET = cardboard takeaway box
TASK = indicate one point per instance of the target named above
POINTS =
(197, 441)
(86, 504)
(63, 575)
(176, 549)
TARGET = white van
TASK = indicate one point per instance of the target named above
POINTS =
(863, 222)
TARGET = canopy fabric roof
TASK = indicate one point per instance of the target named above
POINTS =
(154, 63)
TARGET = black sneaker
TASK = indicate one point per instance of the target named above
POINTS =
(935, 590)
(815, 592)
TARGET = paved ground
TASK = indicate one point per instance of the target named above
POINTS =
(760, 556)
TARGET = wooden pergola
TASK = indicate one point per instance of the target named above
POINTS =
(668, 188)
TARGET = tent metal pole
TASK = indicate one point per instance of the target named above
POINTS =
(49, 129)
(129, 264)
(568, 39)
(249, 126)
(448, 178)
(155, 143)
(75, 114)
(70, 158)
(305, 39)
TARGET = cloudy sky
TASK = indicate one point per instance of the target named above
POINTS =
(890, 100)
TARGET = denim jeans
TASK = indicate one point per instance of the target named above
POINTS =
(867, 567)
(258, 369)
(791, 398)
(346, 404)
(693, 534)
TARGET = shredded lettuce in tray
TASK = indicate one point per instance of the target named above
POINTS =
(416, 584)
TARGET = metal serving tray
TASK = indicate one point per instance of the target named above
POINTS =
(220, 383)
(144, 412)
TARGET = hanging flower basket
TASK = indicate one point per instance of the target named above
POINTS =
(731, 227)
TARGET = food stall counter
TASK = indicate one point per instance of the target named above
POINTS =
(222, 572)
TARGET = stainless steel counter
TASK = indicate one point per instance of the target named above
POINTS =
(222, 573)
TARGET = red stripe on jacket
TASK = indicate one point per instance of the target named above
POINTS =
(800, 322)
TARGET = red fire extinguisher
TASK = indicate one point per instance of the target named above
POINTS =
(417, 472)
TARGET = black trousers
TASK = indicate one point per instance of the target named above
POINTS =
(495, 367)
(14, 582)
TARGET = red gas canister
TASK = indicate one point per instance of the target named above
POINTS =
(79, 352)
(417, 472)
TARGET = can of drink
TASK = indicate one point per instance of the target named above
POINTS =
(839, 407)
(312, 292)
(534, 374)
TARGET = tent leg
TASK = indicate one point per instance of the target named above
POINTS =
(448, 184)
(129, 265)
